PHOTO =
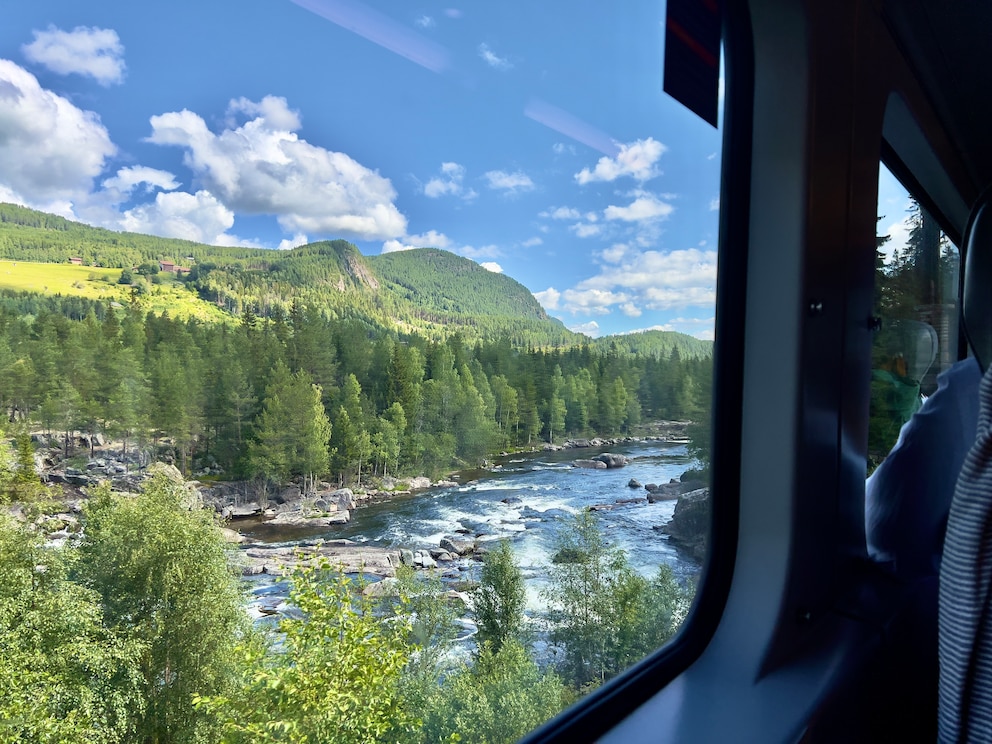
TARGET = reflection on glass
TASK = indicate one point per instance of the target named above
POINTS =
(916, 288)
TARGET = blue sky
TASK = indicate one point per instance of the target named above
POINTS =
(531, 137)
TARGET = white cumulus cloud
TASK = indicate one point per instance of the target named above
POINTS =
(592, 301)
(264, 167)
(297, 240)
(176, 214)
(643, 208)
(509, 182)
(661, 281)
(630, 310)
(486, 251)
(492, 59)
(561, 213)
(50, 150)
(589, 329)
(492, 266)
(449, 183)
(615, 252)
(548, 298)
(91, 52)
(585, 229)
(532, 242)
(425, 21)
(429, 239)
(129, 177)
(637, 159)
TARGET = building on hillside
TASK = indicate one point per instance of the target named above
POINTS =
(169, 267)
(76, 260)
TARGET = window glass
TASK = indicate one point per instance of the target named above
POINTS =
(916, 311)
(424, 291)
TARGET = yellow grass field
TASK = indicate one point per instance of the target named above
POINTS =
(63, 279)
(69, 280)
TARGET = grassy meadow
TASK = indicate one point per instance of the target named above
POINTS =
(97, 283)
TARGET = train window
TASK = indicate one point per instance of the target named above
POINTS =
(435, 282)
(916, 312)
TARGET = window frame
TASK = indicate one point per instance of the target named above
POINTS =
(602, 709)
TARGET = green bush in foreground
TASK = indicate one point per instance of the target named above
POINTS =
(331, 675)
(64, 677)
(159, 565)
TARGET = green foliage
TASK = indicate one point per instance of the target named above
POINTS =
(497, 700)
(160, 567)
(292, 432)
(604, 615)
(499, 599)
(657, 344)
(334, 678)
(25, 485)
(64, 677)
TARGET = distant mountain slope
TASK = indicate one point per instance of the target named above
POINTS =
(426, 291)
(657, 344)
(448, 283)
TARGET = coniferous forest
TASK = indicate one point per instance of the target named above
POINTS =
(300, 395)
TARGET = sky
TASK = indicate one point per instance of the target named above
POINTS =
(533, 138)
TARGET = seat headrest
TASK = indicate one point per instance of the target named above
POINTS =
(977, 300)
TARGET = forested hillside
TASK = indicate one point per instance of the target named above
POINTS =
(427, 291)
(307, 395)
(659, 344)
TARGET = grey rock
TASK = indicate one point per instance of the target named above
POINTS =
(297, 518)
(612, 460)
(458, 547)
(592, 464)
(689, 526)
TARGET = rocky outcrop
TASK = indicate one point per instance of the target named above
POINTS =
(458, 547)
(308, 519)
(592, 464)
(350, 557)
(602, 462)
(690, 524)
(612, 460)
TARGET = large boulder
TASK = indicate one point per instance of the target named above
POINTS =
(592, 464)
(612, 460)
(690, 524)
(345, 498)
(388, 587)
(240, 511)
(297, 518)
(665, 492)
(458, 547)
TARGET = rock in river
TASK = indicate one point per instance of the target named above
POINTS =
(690, 524)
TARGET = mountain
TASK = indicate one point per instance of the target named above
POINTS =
(426, 291)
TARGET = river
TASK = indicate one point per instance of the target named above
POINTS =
(524, 498)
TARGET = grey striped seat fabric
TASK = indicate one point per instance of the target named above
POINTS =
(965, 613)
